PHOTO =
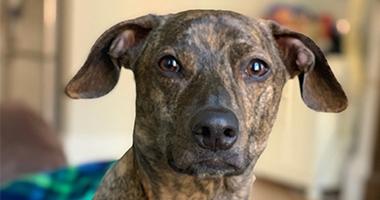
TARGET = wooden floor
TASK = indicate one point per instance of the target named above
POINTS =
(267, 190)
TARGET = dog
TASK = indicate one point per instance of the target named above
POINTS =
(208, 86)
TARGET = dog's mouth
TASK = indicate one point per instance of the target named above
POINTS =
(212, 166)
(206, 168)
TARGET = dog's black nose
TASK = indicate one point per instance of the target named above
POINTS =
(215, 129)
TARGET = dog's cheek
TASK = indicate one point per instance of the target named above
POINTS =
(153, 116)
(155, 95)
(261, 122)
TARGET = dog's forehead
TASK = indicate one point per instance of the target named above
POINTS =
(215, 28)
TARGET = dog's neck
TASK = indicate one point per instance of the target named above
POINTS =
(133, 178)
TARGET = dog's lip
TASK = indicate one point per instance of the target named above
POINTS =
(173, 165)
(213, 163)
(217, 163)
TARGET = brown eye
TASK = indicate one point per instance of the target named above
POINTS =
(169, 64)
(257, 69)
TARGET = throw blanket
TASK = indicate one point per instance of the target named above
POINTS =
(78, 182)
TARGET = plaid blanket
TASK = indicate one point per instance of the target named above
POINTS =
(78, 182)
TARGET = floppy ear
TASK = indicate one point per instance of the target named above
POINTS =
(301, 56)
(118, 46)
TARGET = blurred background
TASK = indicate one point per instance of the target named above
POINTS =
(310, 156)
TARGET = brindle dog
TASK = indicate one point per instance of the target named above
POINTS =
(208, 87)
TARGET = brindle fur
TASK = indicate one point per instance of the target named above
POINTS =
(214, 48)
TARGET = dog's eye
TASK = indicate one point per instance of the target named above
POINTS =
(169, 64)
(257, 68)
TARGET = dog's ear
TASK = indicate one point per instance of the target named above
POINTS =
(118, 46)
(302, 57)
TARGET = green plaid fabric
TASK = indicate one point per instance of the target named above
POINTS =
(78, 182)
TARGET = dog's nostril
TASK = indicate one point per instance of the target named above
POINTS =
(203, 131)
(206, 131)
(229, 133)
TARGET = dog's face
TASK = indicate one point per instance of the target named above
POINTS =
(208, 85)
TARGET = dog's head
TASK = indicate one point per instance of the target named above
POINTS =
(208, 85)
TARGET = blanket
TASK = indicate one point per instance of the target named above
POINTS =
(69, 183)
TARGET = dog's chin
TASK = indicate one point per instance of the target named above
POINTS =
(208, 168)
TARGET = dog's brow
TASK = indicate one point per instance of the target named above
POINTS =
(238, 50)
